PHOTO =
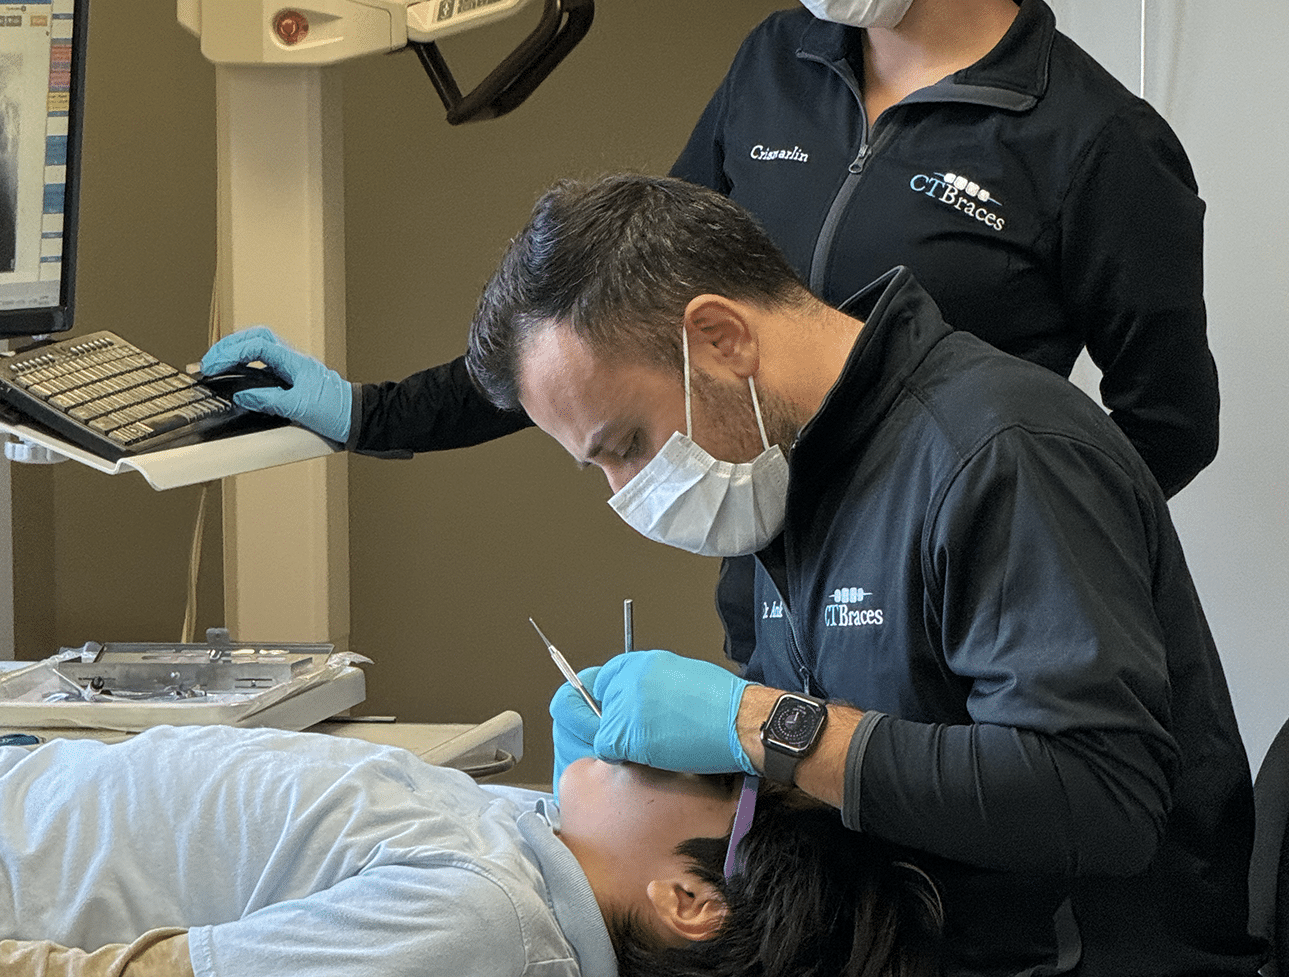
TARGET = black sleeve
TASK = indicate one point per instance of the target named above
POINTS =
(1132, 271)
(432, 410)
(1038, 569)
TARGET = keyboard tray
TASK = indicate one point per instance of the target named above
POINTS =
(109, 397)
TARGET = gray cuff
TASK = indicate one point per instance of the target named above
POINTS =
(852, 788)
(355, 415)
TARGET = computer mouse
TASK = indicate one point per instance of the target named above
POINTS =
(241, 377)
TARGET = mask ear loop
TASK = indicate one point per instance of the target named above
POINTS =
(689, 417)
(743, 815)
(756, 406)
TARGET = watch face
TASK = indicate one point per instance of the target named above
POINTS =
(794, 723)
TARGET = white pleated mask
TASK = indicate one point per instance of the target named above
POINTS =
(860, 13)
(686, 498)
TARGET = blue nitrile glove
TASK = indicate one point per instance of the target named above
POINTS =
(670, 712)
(319, 399)
(573, 725)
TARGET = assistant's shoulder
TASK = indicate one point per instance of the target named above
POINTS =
(780, 34)
(1088, 97)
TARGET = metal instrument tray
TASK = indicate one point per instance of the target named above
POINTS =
(132, 686)
(135, 670)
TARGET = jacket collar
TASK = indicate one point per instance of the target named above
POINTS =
(902, 324)
(1012, 76)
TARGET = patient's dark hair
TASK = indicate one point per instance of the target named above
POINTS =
(617, 260)
(814, 899)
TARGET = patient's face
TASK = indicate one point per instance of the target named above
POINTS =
(634, 804)
(623, 821)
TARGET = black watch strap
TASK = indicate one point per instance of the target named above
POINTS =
(780, 767)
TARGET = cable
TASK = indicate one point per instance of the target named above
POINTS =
(194, 550)
(194, 568)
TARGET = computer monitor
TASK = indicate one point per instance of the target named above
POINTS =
(42, 74)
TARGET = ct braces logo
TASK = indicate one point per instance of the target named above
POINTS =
(839, 614)
(962, 194)
(850, 595)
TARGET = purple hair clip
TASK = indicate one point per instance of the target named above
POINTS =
(742, 822)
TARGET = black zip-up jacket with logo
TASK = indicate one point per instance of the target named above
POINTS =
(975, 555)
(1041, 204)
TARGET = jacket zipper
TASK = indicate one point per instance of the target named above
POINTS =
(798, 662)
(795, 658)
(828, 232)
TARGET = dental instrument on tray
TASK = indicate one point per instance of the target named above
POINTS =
(566, 668)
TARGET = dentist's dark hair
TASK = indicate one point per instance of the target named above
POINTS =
(814, 899)
(617, 260)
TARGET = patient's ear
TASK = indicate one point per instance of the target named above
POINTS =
(687, 906)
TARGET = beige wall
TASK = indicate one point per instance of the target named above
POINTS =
(450, 553)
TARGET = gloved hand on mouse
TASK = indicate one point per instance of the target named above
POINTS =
(319, 398)
(658, 708)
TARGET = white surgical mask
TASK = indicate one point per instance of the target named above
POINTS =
(860, 13)
(686, 498)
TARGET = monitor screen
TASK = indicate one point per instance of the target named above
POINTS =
(42, 71)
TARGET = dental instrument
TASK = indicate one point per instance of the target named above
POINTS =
(566, 668)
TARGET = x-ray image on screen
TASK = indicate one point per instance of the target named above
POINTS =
(10, 141)
(41, 101)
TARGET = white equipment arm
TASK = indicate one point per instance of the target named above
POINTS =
(322, 32)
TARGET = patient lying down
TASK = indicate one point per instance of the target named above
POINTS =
(218, 851)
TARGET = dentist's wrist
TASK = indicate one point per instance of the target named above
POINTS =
(753, 711)
(822, 774)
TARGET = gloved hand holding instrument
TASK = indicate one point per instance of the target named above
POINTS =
(657, 708)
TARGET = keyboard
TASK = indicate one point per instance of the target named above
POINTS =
(111, 398)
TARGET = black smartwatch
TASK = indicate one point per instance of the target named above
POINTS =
(791, 733)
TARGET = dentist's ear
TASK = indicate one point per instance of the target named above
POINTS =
(723, 333)
(688, 907)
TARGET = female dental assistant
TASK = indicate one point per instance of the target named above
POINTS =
(1042, 205)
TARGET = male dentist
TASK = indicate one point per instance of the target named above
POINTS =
(977, 636)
